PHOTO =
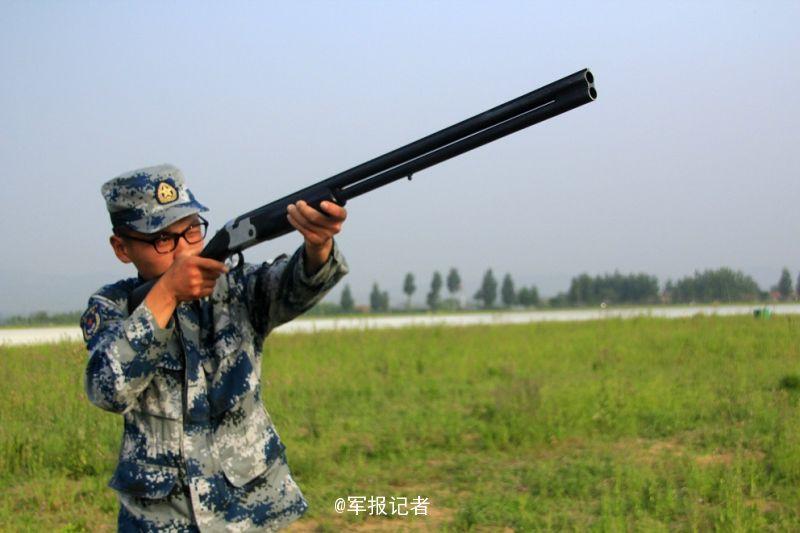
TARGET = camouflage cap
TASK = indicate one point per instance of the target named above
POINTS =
(149, 199)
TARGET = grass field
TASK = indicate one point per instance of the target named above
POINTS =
(641, 424)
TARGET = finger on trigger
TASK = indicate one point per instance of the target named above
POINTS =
(211, 265)
(210, 275)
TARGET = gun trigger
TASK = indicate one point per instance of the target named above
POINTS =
(410, 176)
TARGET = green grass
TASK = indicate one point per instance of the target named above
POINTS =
(641, 424)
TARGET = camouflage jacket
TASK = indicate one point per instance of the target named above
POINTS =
(190, 393)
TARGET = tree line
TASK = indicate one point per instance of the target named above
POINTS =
(723, 285)
(43, 318)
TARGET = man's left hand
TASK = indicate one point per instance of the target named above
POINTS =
(318, 229)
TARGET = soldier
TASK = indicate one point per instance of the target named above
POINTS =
(199, 450)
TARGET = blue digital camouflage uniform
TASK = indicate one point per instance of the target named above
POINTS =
(199, 450)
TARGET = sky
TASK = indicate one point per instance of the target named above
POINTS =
(688, 159)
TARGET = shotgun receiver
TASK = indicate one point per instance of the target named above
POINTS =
(269, 221)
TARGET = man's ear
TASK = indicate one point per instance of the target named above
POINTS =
(120, 250)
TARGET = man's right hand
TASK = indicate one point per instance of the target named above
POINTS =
(190, 277)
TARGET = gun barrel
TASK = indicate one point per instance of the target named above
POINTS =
(458, 131)
(576, 96)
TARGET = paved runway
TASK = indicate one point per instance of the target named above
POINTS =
(312, 325)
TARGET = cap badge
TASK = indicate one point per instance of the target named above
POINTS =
(166, 193)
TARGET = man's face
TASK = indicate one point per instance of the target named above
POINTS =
(148, 261)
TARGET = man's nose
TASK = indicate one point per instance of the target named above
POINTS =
(182, 247)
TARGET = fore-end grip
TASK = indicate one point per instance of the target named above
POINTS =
(271, 221)
(331, 195)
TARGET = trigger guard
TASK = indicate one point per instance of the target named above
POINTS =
(235, 264)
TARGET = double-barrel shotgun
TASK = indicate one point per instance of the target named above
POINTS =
(269, 221)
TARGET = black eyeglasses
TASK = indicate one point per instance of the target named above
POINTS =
(166, 242)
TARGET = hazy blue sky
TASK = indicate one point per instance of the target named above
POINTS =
(688, 159)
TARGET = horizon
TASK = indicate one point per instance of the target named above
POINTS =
(469, 302)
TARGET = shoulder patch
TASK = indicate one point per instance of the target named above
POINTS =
(90, 322)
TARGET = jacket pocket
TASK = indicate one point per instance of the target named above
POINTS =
(144, 480)
(246, 442)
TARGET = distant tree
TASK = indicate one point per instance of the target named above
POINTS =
(797, 287)
(559, 300)
(669, 288)
(434, 298)
(721, 285)
(375, 298)
(409, 287)
(528, 297)
(378, 300)
(488, 291)
(535, 300)
(453, 286)
(613, 288)
(385, 300)
(453, 281)
(507, 293)
(785, 285)
(581, 290)
(347, 303)
(522, 296)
